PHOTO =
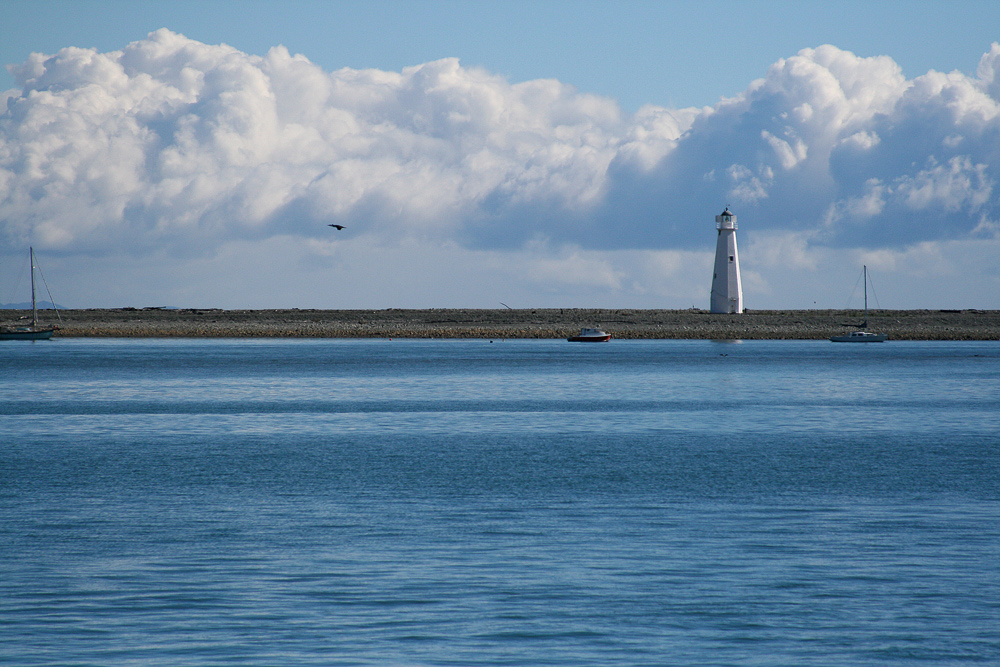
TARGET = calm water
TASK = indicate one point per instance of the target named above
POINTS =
(374, 502)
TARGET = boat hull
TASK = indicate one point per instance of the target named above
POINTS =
(590, 335)
(26, 334)
(860, 337)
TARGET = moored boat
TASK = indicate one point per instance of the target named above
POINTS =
(32, 331)
(587, 335)
(27, 333)
(862, 336)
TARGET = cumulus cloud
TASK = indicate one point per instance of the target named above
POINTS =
(170, 140)
(172, 147)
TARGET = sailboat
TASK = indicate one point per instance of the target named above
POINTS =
(33, 332)
(862, 336)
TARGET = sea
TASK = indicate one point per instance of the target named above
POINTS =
(499, 502)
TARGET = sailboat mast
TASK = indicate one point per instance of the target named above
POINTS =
(866, 295)
(34, 307)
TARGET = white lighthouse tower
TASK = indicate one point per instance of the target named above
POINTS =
(727, 290)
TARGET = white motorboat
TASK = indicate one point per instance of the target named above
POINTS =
(860, 337)
(590, 336)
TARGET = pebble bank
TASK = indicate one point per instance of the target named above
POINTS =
(516, 323)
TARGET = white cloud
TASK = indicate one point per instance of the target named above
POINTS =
(959, 184)
(748, 187)
(175, 151)
(788, 154)
(862, 140)
(988, 72)
(784, 249)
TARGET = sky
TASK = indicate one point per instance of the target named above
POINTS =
(537, 154)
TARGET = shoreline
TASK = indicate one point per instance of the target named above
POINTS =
(536, 323)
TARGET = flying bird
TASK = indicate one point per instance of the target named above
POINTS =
(336, 226)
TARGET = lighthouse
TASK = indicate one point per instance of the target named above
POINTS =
(727, 290)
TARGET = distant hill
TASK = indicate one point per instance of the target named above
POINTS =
(26, 305)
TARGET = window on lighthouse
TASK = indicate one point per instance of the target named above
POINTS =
(732, 259)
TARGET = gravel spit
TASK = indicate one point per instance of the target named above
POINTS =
(515, 323)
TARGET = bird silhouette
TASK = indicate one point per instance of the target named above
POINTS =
(336, 226)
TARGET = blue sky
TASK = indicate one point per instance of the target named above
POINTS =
(541, 153)
(673, 54)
